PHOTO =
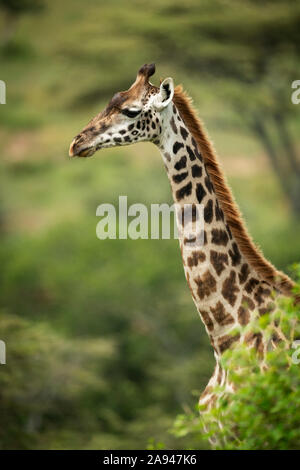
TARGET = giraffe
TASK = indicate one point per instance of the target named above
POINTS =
(230, 280)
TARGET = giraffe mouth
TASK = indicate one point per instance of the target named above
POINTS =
(89, 152)
(86, 152)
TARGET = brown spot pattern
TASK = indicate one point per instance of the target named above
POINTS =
(224, 342)
(194, 259)
(251, 284)
(206, 285)
(230, 289)
(218, 260)
(243, 311)
(219, 237)
(235, 255)
(173, 125)
(244, 273)
(206, 320)
(184, 191)
(261, 294)
(208, 212)
(220, 315)
(257, 340)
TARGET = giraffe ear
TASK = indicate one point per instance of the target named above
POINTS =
(165, 94)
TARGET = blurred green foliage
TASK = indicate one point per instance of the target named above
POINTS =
(104, 346)
(263, 411)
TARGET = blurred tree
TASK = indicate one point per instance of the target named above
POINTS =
(12, 10)
(47, 383)
(251, 51)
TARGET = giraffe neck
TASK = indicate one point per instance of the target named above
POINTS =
(225, 288)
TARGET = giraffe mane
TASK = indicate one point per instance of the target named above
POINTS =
(252, 253)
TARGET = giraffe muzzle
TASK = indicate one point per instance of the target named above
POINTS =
(76, 151)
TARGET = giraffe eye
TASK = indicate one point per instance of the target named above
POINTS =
(131, 112)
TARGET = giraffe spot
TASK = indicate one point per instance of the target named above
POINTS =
(196, 171)
(198, 155)
(220, 315)
(269, 308)
(263, 310)
(276, 338)
(206, 285)
(187, 214)
(208, 184)
(184, 191)
(261, 294)
(230, 289)
(226, 341)
(200, 192)
(183, 132)
(195, 258)
(229, 231)
(167, 156)
(243, 311)
(243, 315)
(191, 153)
(180, 164)
(177, 146)
(256, 340)
(219, 212)
(213, 343)
(208, 212)
(218, 260)
(207, 390)
(130, 127)
(251, 284)
(244, 273)
(235, 255)
(220, 374)
(219, 237)
(173, 125)
(186, 240)
(180, 177)
(248, 302)
(206, 320)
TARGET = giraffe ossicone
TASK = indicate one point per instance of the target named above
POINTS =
(230, 280)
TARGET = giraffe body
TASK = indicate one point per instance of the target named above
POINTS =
(229, 279)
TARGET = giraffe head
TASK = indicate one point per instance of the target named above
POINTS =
(131, 116)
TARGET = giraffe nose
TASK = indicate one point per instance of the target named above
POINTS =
(76, 147)
(72, 149)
